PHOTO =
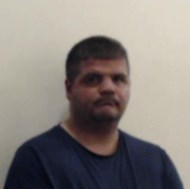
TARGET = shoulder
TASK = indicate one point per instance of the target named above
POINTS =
(47, 140)
(137, 142)
(152, 160)
(147, 151)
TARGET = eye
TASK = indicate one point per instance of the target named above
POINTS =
(120, 79)
(92, 79)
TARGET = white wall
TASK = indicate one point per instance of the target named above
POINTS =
(35, 37)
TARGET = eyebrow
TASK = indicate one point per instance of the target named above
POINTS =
(100, 74)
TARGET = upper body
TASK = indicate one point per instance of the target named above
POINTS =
(55, 160)
(98, 88)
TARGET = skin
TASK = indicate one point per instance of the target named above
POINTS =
(98, 97)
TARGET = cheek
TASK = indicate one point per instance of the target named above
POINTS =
(125, 94)
(86, 96)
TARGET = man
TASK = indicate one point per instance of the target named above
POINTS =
(88, 151)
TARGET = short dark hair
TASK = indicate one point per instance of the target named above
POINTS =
(95, 47)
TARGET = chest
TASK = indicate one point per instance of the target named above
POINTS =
(83, 171)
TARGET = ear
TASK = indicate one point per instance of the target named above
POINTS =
(129, 82)
(68, 88)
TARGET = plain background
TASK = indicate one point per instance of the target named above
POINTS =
(35, 38)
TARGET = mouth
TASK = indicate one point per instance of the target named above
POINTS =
(107, 102)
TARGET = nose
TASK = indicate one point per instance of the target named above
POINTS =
(107, 86)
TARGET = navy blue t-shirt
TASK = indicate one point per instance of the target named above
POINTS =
(54, 160)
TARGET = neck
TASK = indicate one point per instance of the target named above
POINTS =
(100, 138)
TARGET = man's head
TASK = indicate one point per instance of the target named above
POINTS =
(96, 47)
(97, 82)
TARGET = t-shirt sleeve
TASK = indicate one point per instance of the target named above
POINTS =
(26, 171)
(171, 176)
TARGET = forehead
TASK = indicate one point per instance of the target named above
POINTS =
(112, 66)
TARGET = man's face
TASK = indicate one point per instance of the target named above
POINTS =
(100, 91)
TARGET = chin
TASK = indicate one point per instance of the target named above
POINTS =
(106, 117)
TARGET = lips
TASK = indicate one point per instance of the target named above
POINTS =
(107, 102)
